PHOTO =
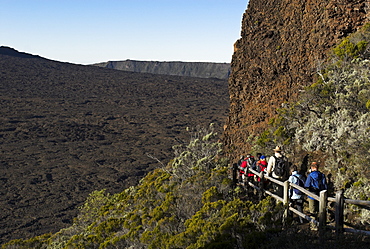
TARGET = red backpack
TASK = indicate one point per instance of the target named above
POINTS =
(261, 165)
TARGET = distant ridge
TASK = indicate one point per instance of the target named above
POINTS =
(15, 53)
(191, 69)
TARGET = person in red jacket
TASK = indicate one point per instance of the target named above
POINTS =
(251, 163)
(248, 162)
(242, 169)
(261, 167)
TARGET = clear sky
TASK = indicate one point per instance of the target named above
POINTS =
(91, 31)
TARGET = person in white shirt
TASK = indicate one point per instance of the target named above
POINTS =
(296, 196)
(277, 172)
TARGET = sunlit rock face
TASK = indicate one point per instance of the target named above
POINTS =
(281, 47)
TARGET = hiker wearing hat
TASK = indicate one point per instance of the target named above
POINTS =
(277, 167)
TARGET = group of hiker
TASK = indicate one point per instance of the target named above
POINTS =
(278, 167)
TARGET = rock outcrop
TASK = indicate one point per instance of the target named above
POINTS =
(281, 46)
(191, 69)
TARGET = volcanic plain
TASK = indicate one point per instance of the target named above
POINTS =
(67, 130)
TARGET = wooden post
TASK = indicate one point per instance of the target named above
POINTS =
(246, 177)
(286, 199)
(262, 179)
(339, 215)
(322, 210)
(235, 174)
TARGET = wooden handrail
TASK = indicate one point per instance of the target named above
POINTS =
(310, 219)
(266, 191)
(351, 230)
(357, 202)
(323, 199)
(307, 192)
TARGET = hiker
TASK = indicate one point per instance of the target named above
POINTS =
(315, 182)
(251, 163)
(241, 159)
(261, 164)
(258, 156)
(242, 169)
(277, 167)
(295, 195)
(261, 167)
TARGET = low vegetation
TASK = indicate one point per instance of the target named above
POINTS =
(168, 209)
(187, 204)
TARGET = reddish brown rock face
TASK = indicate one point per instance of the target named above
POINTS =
(282, 43)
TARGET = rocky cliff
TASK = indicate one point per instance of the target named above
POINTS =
(191, 69)
(282, 44)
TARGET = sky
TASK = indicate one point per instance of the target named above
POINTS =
(92, 31)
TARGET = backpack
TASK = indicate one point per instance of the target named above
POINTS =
(261, 166)
(280, 165)
(299, 183)
(251, 162)
(317, 182)
(242, 166)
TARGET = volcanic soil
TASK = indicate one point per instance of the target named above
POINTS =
(67, 130)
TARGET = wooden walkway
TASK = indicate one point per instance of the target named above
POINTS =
(339, 203)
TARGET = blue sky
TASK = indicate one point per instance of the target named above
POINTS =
(90, 31)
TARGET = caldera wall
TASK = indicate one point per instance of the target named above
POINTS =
(282, 43)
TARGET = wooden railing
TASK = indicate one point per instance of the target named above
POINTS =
(323, 200)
